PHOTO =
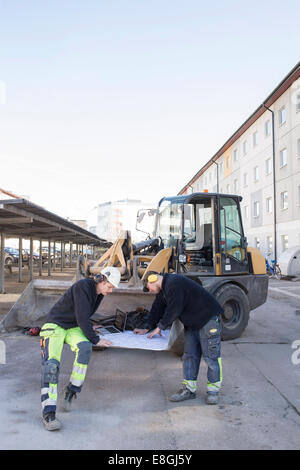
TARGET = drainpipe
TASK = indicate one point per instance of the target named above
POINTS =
(274, 184)
(217, 175)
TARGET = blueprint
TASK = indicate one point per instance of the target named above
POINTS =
(130, 340)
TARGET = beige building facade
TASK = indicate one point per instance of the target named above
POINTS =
(261, 162)
(115, 217)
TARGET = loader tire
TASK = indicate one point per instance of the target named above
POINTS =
(236, 311)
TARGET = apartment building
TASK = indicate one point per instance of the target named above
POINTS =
(261, 162)
(113, 217)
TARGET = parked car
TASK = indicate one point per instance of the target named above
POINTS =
(8, 259)
(26, 255)
(45, 254)
(11, 256)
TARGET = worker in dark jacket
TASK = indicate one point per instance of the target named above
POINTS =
(69, 322)
(177, 296)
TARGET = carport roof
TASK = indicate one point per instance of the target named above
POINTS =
(21, 218)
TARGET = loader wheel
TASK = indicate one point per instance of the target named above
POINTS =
(236, 311)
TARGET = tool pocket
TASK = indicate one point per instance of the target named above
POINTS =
(213, 347)
(210, 334)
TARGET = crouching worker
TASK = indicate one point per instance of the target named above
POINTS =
(69, 322)
(177, 296)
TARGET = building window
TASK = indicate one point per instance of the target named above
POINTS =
(267, 128)
(257, 242)
(228, 162)
(245, 147)
(236, 186)
(256, 209)
(256, 173)
(269, 205)
(245, 179)
(235, 155)
(282, 115)
(299, 195)
(228, 189)
(268, 166)
(284, 200)
(270, 244)
(246, 212)
(298, 148)
(298, 102)
(284, 242)
(283, 157)
(255, 138)
(221, 166)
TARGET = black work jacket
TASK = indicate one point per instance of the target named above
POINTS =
(76, 307)
(183, 298)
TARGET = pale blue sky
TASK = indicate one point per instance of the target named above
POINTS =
(114, 99)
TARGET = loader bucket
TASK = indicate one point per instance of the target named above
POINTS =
(34, 304)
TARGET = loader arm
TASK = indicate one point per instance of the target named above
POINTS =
(120, 255)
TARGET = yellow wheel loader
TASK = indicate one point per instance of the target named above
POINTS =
(199, 235)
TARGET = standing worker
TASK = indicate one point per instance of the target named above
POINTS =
(177, 296)
(69, 322)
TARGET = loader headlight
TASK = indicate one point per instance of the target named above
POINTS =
(182, 258)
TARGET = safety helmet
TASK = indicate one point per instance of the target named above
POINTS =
(112, 275)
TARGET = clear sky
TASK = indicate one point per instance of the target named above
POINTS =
(129, 98)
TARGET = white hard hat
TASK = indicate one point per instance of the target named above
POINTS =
(112, 275)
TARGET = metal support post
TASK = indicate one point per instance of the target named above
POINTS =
(49, 258)
(54, 256)
(31, 260)
(20, 260)
(41, 260)
(2, 262)
(71, 253)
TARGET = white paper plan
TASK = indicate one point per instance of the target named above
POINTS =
(133, 341)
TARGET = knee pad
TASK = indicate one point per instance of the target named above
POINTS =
(84, 352)
(51, 371)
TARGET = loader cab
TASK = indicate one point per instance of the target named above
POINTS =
(206, 232)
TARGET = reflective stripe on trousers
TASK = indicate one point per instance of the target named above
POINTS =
(78, 374)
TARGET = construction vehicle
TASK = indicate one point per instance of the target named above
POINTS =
(199, 235)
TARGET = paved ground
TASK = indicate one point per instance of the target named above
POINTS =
(124, 404)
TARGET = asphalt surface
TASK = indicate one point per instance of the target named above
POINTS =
(124, 402)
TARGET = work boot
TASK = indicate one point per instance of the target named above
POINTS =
(50, 422)
(69, 395)
(212, 398)
(183, 394)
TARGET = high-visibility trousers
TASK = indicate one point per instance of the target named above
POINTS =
(53, 338)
